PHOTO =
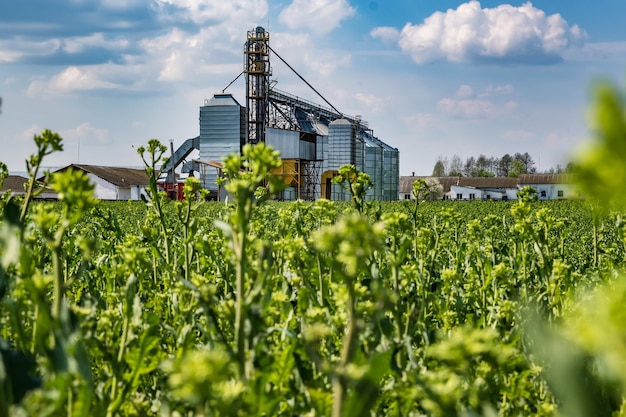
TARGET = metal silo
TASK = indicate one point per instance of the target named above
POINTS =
(341, 151)
(374, 168)
(391, 168)
(222, 132)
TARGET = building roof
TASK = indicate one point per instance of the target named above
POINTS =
(121, 177)
(546, 179)
(487, 182)
(406, 183)
(14, 183)
(341, 122)
(222, 100)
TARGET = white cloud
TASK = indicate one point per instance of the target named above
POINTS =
(504, 34)
(470, 104)
(319, 16)
(69, 80)
(497, 90)
(121, 4)
(387, 34)
(86, 133)
(10, 81)
(599, 51)
(558, 139)
(301, 52)
(79, 44)
(205, 11)
(9, 56)
(15, 50)
(421, 120)
(28, 134)
(466, 108)
(464, 91)
(503, 89)
(173, 57)
(511, 105)
(515, 135)
(372, 102)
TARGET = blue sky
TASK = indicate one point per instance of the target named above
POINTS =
(433, 78)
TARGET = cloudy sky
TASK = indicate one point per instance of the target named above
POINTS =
(433, 78)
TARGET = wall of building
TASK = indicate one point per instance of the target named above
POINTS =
(553, 191)
(104, 190)
(458, 192)
(136, 191)
(285, 141)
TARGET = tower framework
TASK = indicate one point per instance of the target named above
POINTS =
(258, 71)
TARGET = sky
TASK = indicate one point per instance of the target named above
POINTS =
(433, 78)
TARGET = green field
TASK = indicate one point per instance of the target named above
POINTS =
(445, 308)
(257, 308)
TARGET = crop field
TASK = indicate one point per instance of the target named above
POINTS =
(258, 308)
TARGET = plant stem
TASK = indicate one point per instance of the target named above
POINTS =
(340, 383)
(240, 238)
(57, 297)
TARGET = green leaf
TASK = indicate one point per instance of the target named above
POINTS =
(366, 391)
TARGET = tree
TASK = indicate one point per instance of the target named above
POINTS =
(456, 166)
(436, 189)
(481, 173)
(470, 164)
(439, 170)
(482, 163)
(484, 167)
(427, 190)
(517, 168)
(527, 161)
(504, 165)
(570, 167)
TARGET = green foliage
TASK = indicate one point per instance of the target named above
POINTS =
(600, 170)
(356, 182)
(319, 308)
(584, 354)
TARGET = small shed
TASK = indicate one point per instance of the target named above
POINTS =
(114, 183)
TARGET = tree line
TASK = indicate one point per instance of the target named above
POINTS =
(483, 166)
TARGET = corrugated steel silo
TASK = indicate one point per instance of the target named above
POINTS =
(374, 168)
(222, 132)
(341, 151)
(391, 167)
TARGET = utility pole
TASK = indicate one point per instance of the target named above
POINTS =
(173, 173)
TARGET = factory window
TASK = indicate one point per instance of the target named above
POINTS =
(559, 193)
(459, 196)
(472, 196)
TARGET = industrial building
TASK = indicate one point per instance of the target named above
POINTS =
(314, 140)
